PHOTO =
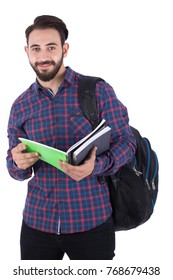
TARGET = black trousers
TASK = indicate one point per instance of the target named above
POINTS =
(94, 244)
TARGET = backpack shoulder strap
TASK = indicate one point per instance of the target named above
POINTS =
(87, 98)
(88, 103)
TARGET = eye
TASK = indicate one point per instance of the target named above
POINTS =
(51, 48)
(36, 49)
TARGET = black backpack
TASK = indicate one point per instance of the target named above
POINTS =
(134, 187)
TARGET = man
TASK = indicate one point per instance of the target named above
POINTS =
(65, 212)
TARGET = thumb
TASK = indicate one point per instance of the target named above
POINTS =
(93, 153)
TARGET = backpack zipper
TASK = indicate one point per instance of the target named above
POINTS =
(155, 172)
(59, 226)
(148, 164)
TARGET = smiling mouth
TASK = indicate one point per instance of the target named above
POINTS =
(45, 67)
(44, 64)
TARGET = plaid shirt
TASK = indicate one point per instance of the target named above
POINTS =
(55, 203)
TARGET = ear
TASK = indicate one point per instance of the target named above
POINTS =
(65, 49)
(26, 49)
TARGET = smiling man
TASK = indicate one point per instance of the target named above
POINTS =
(65, 212)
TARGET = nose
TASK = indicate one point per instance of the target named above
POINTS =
(43, 55)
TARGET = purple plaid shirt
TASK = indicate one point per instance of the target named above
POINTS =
(55, 203)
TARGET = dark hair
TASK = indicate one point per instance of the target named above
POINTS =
(44, 22)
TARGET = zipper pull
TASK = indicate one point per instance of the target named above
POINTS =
(138, 173)
(153, 185)
(148, 185)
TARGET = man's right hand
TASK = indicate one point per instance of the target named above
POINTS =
(22, 159)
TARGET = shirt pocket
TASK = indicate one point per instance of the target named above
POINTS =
(79, 125)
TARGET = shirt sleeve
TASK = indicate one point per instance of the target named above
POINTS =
(123, 143)
(14, 131)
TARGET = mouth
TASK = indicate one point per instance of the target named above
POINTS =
(44, 65)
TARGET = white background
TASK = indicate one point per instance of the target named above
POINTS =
(129, 44)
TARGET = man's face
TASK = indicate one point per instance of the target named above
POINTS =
(45, 53)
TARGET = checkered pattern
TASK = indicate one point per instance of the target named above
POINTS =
(54, 201)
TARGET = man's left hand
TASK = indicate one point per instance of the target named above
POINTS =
(81, 171)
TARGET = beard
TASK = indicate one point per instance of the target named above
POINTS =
(45, 75)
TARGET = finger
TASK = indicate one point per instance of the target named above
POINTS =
(23, 164)
(65, 166)
(25, 156)
(29, 155)
(92, 154)
(29, 161)
(19, 148)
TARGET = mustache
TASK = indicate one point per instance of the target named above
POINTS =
(45, 62)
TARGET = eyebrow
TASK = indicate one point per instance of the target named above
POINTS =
(49, 44)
